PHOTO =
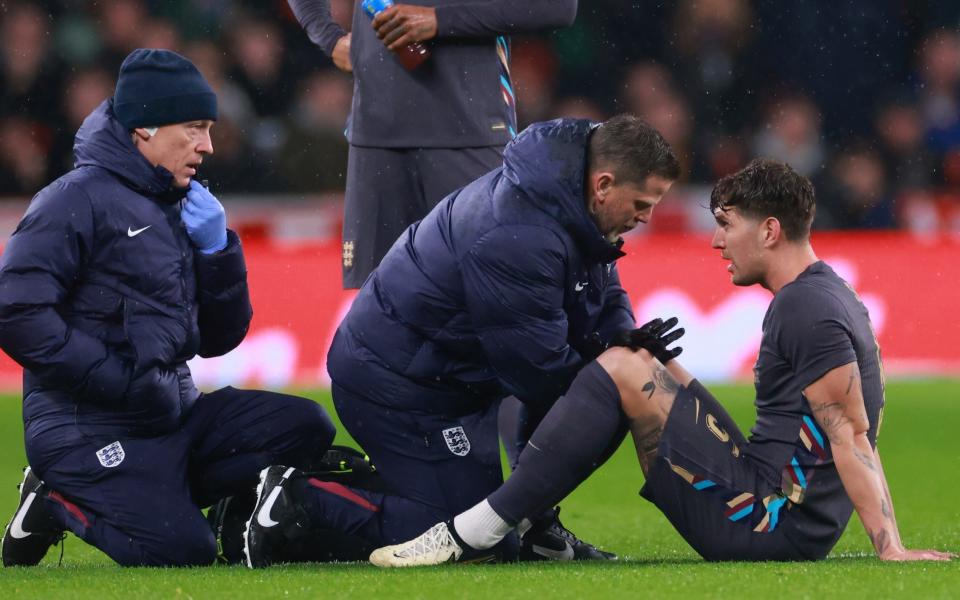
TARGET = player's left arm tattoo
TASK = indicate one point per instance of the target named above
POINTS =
(880, 540)
(854, 378)
(865, 458)
(885, 508)
(831, 417)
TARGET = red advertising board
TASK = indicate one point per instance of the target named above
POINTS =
(908, 284)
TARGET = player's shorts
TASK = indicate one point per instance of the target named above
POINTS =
(724, 503)
(390, 188)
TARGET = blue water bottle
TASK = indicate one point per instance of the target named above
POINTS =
(411, 55)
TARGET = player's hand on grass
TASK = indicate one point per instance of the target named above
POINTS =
(902, 554)
(654, 337)
(341, 54)
(403, 24)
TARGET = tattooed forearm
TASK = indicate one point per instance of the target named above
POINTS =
(880, 539)
(866, 459)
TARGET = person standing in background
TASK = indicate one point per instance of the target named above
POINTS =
(416, 135)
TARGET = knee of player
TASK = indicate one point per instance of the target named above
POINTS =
(625, 366)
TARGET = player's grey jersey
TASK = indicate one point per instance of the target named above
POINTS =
(462, 96)
(813, 325)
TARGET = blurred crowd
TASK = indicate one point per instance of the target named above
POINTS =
(861, 96)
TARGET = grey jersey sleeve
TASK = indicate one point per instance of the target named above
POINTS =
(813, 331)
(479, 18)
(314, 17)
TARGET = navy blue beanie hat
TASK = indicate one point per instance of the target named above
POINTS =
(160, 87)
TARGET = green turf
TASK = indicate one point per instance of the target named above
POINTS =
(921, 455)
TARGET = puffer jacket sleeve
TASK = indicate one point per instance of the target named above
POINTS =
(225, 310)
(617, 314)
(513, 279)
(39, 267)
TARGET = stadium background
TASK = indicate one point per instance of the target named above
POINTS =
(863, 98)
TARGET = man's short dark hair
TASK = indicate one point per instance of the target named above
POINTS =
(769, 188)
(632, 150)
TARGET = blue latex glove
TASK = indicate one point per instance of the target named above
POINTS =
(206, 222)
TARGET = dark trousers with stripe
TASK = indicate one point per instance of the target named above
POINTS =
(433, 467)
(145, 508)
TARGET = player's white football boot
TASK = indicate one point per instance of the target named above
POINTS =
(436, 546)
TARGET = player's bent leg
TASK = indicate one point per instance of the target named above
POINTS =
(647, 392)
(565, 448)
(723, 503)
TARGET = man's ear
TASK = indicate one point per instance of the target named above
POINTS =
(770, 231)
(145, 133)
(601, 183)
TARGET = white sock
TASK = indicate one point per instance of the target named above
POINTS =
(481, 527)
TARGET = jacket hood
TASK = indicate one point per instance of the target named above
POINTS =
(547, 162)
(103, 142)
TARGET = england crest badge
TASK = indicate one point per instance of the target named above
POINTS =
(111, 455)
(457, 441)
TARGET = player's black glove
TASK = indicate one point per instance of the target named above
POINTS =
(654, 337)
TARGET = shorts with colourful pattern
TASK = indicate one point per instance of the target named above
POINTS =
(724, 504)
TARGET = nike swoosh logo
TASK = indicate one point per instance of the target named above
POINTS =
(565, 554)
(263, 517)
(579, 287)
(16, 528)
(135, 232)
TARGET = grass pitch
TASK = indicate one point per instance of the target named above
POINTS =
(921, 456)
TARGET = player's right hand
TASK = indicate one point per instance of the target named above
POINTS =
(341, 54)
(902, 554)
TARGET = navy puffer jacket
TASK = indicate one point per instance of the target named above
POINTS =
(493, 293)
(103, 299)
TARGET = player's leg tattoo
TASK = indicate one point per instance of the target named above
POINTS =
(647, 425)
